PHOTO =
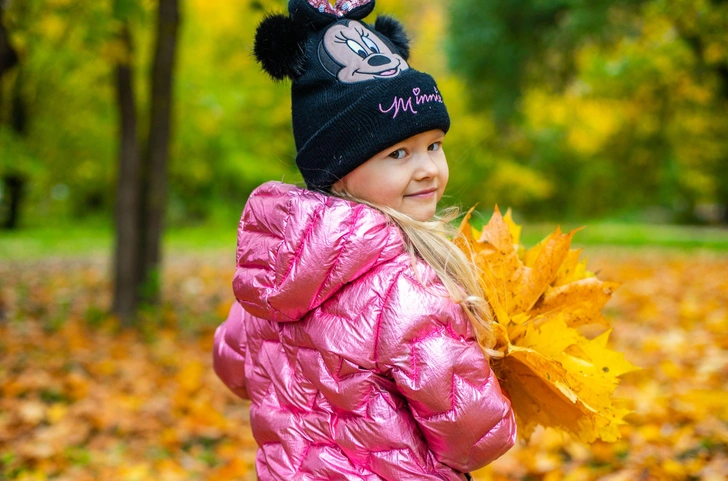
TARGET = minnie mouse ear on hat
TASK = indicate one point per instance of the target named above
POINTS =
(280, 39)
(320, 13)
(353, 93)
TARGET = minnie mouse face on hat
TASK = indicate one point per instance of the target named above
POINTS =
(353, 53)
(347, 49)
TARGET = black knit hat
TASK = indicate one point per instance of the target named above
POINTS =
(353, 93)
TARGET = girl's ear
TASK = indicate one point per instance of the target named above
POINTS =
(394, 31)
(280, 46)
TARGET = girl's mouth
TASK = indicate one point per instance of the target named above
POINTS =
(423, 194)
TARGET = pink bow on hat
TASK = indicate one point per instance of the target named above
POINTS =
(341, 8)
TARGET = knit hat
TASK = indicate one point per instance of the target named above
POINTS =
(353, 93)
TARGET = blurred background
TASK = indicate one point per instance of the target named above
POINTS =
(132, 132)
(563, 110)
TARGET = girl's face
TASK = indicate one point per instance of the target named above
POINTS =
(409, 177)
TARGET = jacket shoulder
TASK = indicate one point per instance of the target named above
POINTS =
(297, 248)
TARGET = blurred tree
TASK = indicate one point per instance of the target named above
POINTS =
(128, 247)
(614, 109)
(505, 48)
(703, 27)
(155, 172)
(499, 46)
(66, 153)
(13, 179)
(142, 179)
(619, 106)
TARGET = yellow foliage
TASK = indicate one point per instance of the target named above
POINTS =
(52, 26)
(521, 183)
(554, 375)
(84, 402)
(589, 122)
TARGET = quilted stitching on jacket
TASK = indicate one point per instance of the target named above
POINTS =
(356, 366)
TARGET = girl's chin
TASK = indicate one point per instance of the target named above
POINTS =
(422, 213)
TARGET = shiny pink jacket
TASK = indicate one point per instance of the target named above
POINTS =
(358, 365)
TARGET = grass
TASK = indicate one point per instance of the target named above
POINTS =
(636, 235)
(79, 240)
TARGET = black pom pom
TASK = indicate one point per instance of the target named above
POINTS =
(394, 31)
(280, 46)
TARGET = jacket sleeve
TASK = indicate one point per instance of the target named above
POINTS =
(228, 358)
(426, 344)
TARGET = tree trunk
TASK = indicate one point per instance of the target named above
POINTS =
(13, 185)
(155, 171)
(142, 183)
(721, 71)
(722, 178)
(128, 189)
(8, 55)
(13, 181)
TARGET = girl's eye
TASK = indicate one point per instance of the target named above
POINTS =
(358, 49)
(398, 154)
(435, 146)
(369, 43)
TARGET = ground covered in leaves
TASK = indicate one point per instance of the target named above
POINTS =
(83, 400)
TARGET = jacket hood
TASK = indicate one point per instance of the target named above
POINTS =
(297, 248)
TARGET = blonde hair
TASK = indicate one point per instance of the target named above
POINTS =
(433, 242)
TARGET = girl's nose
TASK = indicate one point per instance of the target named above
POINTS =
(426, 167)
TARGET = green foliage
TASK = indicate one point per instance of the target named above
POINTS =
(616, 105)
(560, 109)
(233, 127)
(69, 103)
(495, 45)
(16, 156)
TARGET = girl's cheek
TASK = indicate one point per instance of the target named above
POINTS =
(444, 174)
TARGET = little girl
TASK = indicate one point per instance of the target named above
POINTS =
(352, 332)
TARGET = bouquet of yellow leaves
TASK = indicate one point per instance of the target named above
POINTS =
(554, 375)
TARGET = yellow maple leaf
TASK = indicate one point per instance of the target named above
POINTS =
(554, 375)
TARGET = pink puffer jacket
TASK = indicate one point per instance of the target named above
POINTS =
(356, 369)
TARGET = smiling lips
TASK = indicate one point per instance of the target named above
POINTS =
(423, 194)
